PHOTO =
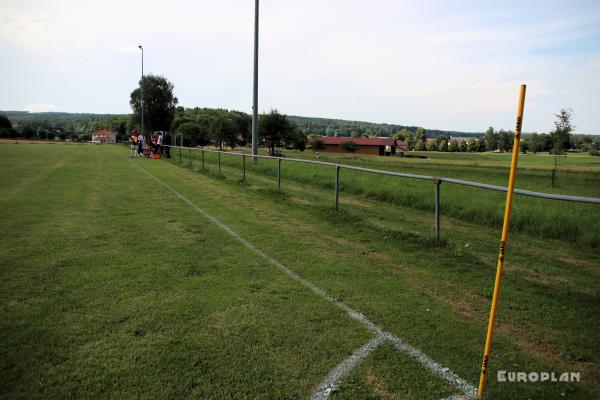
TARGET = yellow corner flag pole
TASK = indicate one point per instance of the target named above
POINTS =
(503, 240)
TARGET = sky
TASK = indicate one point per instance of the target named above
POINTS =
(452, 65)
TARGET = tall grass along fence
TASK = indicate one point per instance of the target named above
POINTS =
(544, 220)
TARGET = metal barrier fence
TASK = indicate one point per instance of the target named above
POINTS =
(436, 180)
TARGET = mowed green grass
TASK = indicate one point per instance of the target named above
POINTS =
(111, 286)
(577, 175)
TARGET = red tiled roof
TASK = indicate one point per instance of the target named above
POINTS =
(359, 141)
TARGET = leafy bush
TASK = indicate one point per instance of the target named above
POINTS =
(349, 146)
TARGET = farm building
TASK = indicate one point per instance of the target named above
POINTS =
(104, 136)
(370, 146)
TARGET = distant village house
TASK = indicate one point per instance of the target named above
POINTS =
(104, 136)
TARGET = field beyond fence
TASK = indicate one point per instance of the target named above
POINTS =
(549, 218)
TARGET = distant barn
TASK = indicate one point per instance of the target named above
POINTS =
(370, 146)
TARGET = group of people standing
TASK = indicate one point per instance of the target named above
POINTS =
(158, 145)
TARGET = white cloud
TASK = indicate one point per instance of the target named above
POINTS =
(40, 107)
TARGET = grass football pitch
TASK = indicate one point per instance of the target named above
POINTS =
(130, 278)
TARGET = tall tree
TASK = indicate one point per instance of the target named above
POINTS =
(453, 146)
(275, 128)
(194, 133)
(491, 139)
(481, 144)
(401, 135)
(561, 135)
(223, 131)
(443, 145)
(472, 145)
(242, 123)
(421, 134)
(159, 103)
(411, 142)
(505, 140)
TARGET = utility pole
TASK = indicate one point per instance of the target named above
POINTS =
(255, 87)
(142, 87)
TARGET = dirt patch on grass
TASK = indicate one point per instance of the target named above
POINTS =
(341, 241)
(552, 282)
(548, 352)
(570, 260)
(581, 263)
(378, 385)
(301, 201)
(463, 310)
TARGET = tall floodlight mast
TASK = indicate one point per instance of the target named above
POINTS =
(142, 87)
(255, 86)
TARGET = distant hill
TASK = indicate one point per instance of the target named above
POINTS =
(70, 122)
(18, 116)
(81, 122)
(341, 127)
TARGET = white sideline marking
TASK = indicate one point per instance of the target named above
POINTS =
(331, 382)
(437, 369)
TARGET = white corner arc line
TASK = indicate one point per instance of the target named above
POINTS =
(442, 372)
(331, 382)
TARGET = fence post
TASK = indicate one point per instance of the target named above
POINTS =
(337, 187)
(437, 182)
(219, 162)
(278, 173)
(190, 158)
(244, 166)
(202, 159)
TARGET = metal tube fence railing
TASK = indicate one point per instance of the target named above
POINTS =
(437, 180)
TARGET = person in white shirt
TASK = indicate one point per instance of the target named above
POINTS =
(159, 140)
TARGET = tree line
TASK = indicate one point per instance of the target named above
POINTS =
(345, 128)
(559, 140)
(223, 128)
(231, 128)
